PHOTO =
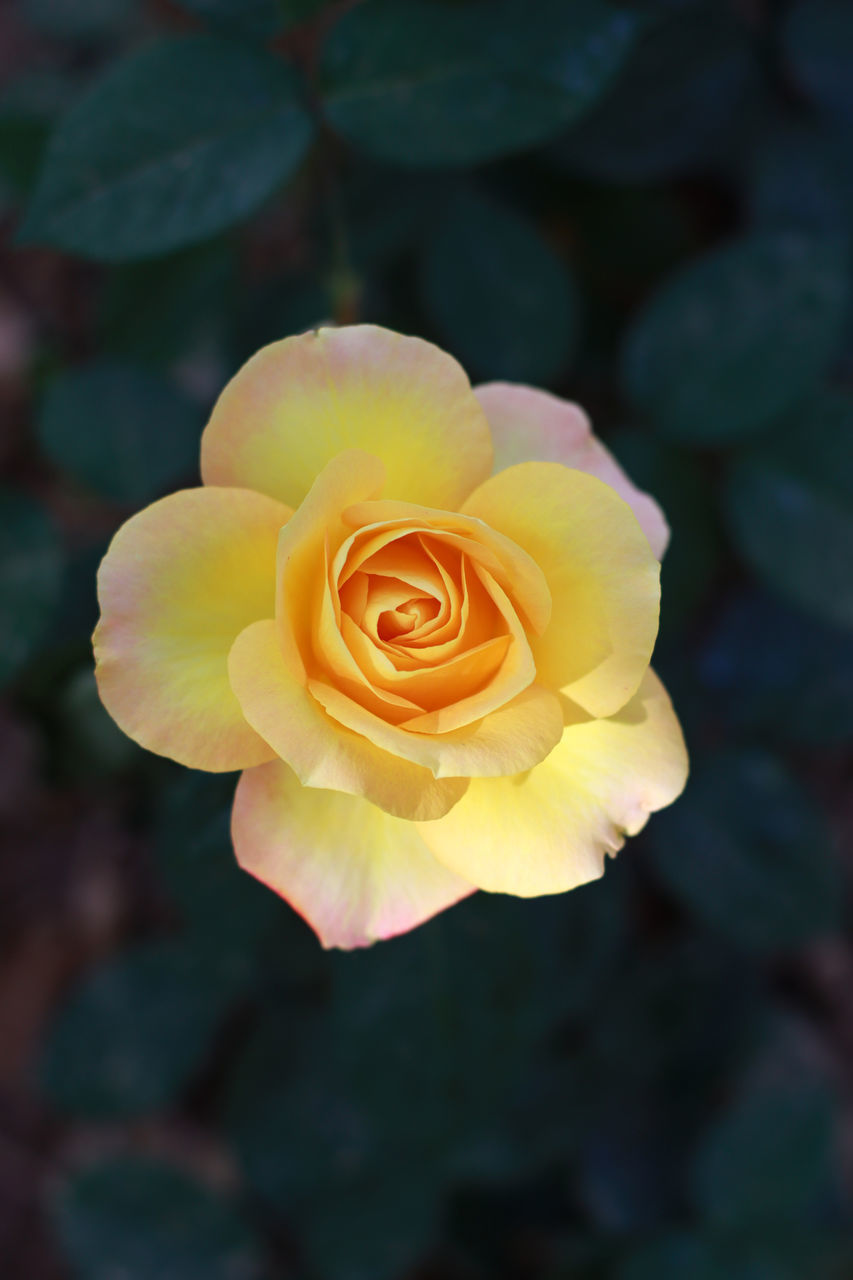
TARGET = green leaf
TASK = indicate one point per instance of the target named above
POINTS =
(406, 1080)
(681, 1015)
(746, 850)
(88, 21)
(737, 338)
(255, 19)
(124, 432)
(784, 1251)
(174, 143)
(680, 485)
(789, 507)
(501, 298)
(674, 1257)
(424, 83)
(673, 108)
(226, 909)
(817, 38)
(29, 105)
(159, 312)
(626, 238)
(460, 1033)
(794, 182)
(137, 1218)
(280, 308)
(30, 578)
(259, 19)
(389, 212)
(90, 742)
(770, 1155)
(366, 1210)
(778, 674)
(135, 1031)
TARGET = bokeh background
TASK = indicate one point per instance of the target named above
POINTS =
(644, 207)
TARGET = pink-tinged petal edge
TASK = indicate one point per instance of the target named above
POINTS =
(531, 425)
(353, 872)
(298, 403)
(181, 579)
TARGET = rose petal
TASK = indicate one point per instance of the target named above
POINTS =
(379, 522)
(320, 750)
(602, 575)
(303, 548)
(298, 403)
(317, 653)
(495, 676)
(508, 740)
(496, 669)
(355, 873)
(178, 584)
(529, 425)
(549, 830)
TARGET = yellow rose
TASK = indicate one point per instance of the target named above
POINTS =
(428, 653)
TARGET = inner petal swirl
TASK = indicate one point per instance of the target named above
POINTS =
(422, 624)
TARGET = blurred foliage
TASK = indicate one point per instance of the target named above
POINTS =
(644, 205)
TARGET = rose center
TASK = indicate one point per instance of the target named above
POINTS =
(407, 618)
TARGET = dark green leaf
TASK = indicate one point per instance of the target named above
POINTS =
(747, 851)
(501, 298)
(124, 432)
(629, 1169)
(423, 83)
(280, 308)
(139, 1218)
(774, 672)
(673, 1257)
(22, 143)
(769, 1157)
(790, 509)
(627, 237)
(680, 485)
(173, 144)
(818, 41)
(310, 1146)
(673, 107)
(794, 183)
(28, 106)
(738, 337)
(782, 1251)
(135, 1031)
(459, 1032)
(225, 908)
(30, 578)
(681, 1015)
(83, 20)
(389, 212)
(158, 312)
(89, 740)
(408, 1076)
(255, 18)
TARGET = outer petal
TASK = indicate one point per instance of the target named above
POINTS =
(548, 830)
(603, 578)
(355, 873)
(179, 582)
(529, 425)
(298, 403)
(322, 752)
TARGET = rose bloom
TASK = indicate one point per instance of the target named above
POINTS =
(419, 617)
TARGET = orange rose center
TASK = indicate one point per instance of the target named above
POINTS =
(421, 625)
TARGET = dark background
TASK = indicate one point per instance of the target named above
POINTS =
(647, 209)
